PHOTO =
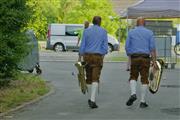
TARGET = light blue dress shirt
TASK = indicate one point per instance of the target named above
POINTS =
(140, 40)
(94, 40)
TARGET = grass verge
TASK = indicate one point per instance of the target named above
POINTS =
(25, 88)
(118, 59)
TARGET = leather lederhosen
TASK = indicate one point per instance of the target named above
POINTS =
(93, 68)
(140, 64)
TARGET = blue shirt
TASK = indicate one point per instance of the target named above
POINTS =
(140, 40)
(94, 40)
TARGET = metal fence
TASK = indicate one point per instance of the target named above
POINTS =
(165, 50)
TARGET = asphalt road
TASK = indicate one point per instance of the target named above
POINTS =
(51, 56)
(68, 103)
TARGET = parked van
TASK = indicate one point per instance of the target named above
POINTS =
(63, 37)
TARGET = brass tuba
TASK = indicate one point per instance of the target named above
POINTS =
(155, 76)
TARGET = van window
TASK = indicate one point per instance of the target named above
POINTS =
(73, 30)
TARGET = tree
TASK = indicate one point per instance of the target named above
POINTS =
(14, 15)
(69, 11)
(46, 12)
(85, 10)
(38, 21)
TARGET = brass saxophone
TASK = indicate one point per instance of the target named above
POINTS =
(82, 76)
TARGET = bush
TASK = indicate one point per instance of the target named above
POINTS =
(14, 14)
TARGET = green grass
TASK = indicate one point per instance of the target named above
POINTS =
(117, 59)
(26, 87)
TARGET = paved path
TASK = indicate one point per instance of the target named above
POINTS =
(68, 103)
(47, 56)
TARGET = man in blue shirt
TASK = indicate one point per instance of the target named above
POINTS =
(94, 46)
(140, 44)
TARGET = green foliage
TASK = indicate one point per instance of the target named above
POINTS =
(122, 30)
(69, 11)
(38, 22)
(85, 10)
(14, 15)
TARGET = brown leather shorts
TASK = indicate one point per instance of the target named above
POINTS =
(93, 67)
(140, 65)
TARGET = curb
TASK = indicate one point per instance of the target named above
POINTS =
(52, 90)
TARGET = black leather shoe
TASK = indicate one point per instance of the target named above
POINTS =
(92, 104)
(143, 105)
(131, 100)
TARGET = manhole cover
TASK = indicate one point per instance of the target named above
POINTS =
(171, 86)
(173, 111)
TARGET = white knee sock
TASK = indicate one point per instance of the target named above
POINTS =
(143, 92)
(94, 88)
(133, 84)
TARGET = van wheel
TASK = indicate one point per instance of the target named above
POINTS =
(30, 71)
(110, 48)
(59, 47)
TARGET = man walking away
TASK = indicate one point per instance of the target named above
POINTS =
(94, 46)
(140, 44)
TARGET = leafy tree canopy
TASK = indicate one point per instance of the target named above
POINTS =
(69, 11)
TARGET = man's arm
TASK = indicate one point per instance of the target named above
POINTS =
(82, 46)
(105, 43)
(153, 50)
(79, 37)
(78, 41)
(127, 44)
(153, 55)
